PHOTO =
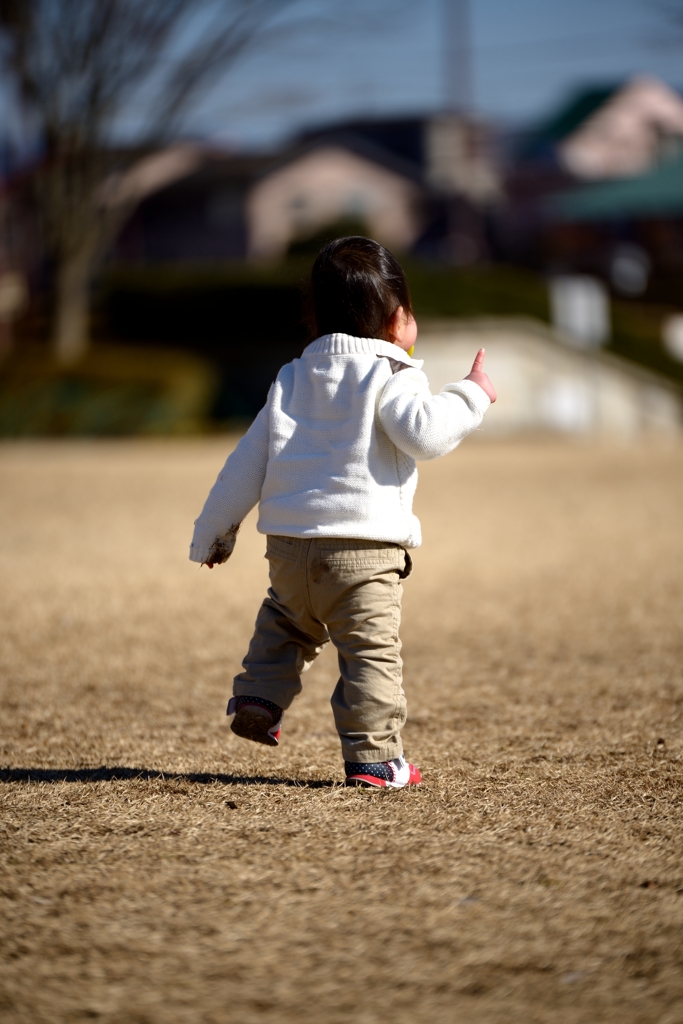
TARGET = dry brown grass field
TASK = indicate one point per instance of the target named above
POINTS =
(156, 869)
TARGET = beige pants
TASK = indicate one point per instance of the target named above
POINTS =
(349, 592)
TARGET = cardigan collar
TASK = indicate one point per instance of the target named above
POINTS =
(345, 344)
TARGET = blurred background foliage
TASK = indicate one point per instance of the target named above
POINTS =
(169, 340)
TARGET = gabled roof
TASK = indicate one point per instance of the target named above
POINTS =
(564, 120)
(401, 137)
(628, 135)
(353, 143)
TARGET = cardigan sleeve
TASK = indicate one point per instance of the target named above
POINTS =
(424, 425)
(236, 491)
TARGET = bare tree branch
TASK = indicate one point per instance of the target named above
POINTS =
(79, 66)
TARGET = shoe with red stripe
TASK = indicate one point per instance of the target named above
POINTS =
(256, 719)
(383, 774)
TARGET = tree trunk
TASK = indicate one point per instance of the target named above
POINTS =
(71, 326)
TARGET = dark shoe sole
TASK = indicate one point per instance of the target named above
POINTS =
(362, 784)
(252, 726)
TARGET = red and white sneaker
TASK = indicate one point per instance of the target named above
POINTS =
(256, 719)
(383, 774)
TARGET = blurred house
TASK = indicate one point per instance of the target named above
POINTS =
(633, 131)
(599, 132)
(637, 222)
(421, 184)
(328, 182)
(546, 384)
(630, 229)
(453, 153)
(612, 134)
(457, 162)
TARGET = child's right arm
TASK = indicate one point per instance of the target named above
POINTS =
(236, 491)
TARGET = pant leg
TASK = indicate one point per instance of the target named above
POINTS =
(287, 638)
(355, 589)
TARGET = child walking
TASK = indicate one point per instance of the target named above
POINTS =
(330, 460)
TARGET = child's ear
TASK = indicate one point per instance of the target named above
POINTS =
(395, 326)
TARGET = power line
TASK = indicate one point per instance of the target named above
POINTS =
(611, 34)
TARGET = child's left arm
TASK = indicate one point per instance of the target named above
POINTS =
(236, 491)
(426, 426)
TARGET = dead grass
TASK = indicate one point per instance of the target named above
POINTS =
(537, 876)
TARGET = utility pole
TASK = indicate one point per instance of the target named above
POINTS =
(458, 91)
(457, 166)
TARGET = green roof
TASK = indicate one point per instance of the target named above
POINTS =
(655, 194)
(565, 119)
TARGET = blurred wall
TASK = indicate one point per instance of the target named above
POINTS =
(544, 384)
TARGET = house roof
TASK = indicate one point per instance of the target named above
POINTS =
(564, 120)
(400, 137)
(361, 147)
(628, 135)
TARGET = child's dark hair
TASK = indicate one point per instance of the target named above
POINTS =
(356, 287)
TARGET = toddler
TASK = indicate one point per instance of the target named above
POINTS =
(330, 460)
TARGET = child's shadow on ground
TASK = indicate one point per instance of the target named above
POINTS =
(117, 773)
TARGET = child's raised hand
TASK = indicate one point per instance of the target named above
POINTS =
(479, 377)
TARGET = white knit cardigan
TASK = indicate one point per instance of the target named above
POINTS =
(332, 453)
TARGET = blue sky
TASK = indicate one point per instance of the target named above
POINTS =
(526, 56)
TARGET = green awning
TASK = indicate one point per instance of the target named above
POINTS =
(653, 195)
